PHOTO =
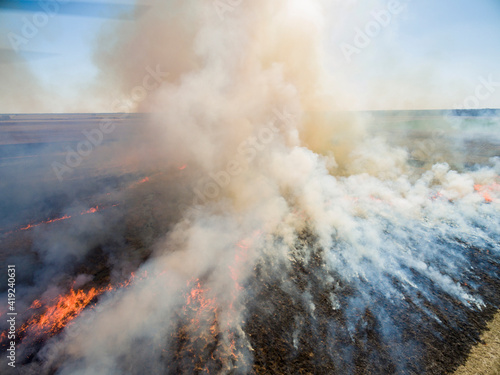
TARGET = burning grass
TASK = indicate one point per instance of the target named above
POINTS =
(49, 319)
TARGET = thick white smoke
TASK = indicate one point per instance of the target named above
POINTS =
(283, 179)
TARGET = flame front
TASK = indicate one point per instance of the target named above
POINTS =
(92, 210)
(209, 336)
(58, 315)
(51, 318)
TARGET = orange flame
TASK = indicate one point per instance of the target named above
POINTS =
(486, 190)
(36, 304)
(92, 210)
(57, 316)
(29, 226)
(137, 183)
(197, 299)
(59, 312)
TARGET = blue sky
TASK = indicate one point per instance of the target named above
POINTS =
(68, 39)
(431, 55)
(449, 44)
(459, 30)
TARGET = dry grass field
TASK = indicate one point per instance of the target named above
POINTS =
(484, 358)
(139, 214)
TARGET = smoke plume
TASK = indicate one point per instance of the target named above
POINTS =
(292, 212)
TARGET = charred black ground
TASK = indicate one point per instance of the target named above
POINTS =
(286, 335)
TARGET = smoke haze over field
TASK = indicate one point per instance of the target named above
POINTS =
(293, 212)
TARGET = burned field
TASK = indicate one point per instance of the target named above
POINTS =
(101, 255)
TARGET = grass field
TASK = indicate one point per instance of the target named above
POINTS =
(484, 358)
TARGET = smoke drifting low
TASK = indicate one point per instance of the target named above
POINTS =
(301, 239)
